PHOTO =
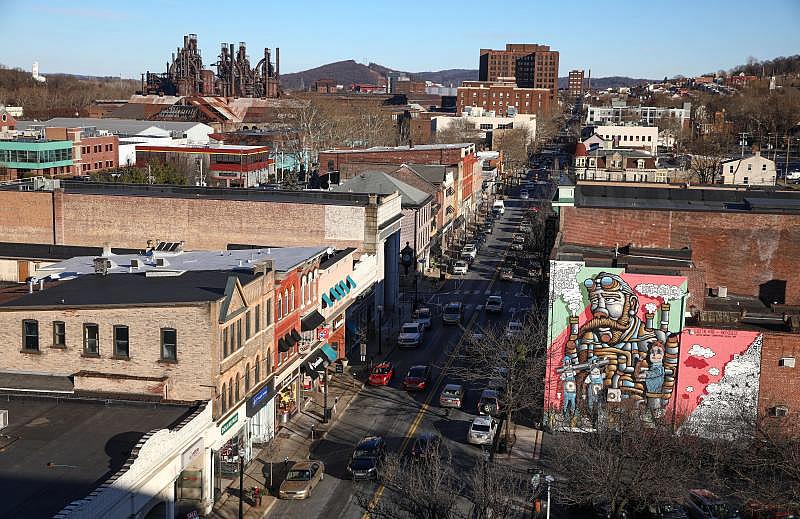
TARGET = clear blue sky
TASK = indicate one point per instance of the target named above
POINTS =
(649, 39)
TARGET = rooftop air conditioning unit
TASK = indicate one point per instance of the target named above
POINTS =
(786, 362)
(160, 262)
(722, 291)
(135, 263)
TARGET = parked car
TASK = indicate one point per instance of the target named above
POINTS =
(513, 328)
(525, 228)
(704, 504)
(507, 274)
(460, 267)
(367, 457)
(452, 313)
(417, 378)
(519, 238)
(423, 315)
(664, 511)
(301, 479)
(516, 246)
(470, 249)
(426, 445)
(488, 227)
(467, 258)
(452, 396)
(410, 335)
(381, 374)
(489, 402)
(482, 430)
(499, 207)
(498, 380)
(494, 304)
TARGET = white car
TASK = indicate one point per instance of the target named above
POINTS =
(513, 328)
(494, 304)
(482, 430)
(423, 315)
(410, 335)
(470, 249)
(460, 267)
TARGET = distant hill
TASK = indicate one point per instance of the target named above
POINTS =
(350, 71)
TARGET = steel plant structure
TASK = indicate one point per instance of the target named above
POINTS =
(186, 76)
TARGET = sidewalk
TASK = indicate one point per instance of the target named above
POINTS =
(526, 449)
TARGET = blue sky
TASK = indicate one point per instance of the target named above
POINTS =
(650, 39)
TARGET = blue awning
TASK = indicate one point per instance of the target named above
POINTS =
(327, 300)
(335, 293)
(351, 282)
(329, 352)
(343, 288)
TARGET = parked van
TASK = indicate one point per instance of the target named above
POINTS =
(498, 207)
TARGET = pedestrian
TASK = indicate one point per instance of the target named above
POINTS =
(257, 495)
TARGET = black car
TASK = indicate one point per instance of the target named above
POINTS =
(366, 458)
(426, 445)
(664, 511)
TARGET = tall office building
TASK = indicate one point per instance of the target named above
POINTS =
(532, 66)
(576, 83)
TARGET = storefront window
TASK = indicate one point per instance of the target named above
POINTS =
(287, 402)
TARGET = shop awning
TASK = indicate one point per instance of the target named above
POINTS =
(343, 288)
(327, 300)
(316, 362)
(295, 335)
(283, 346)
(289, 340)
(311, 321)
(329, 352)
(351, 282)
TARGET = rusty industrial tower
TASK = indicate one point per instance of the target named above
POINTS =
(186, 76)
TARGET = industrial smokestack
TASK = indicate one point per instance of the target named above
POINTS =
(277, 61)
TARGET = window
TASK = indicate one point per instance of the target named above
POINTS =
(59, 334)
(285, 303)
(730, 169)
(224, 343)
(763, 167)
(257, 370)
(230, 393)
(268, 313)
(746, 180)
(223, 398)
(257, 317)
(30, 335)
(238, 334)
(247, 330)
(786, 362)
(779, 410)
(749, 167)
(246, 378)
(121, 342)
(279, 312)
(303, 297)
(292, 300)
(169, 344)
(330, 164)
(238, 395)
(91, 340)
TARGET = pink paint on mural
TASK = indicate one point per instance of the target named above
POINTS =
(704, 356)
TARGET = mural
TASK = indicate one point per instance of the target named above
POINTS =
(614, 337)
(717, 390)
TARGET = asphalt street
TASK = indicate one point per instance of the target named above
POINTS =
(399, 416)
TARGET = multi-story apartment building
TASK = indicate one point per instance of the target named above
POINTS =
(40, 157)
(617, 165)
(505, 98)
(619, 112)
(575, 83)
(630, 137)
(532, 66)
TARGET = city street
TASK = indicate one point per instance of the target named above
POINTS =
(399, 416)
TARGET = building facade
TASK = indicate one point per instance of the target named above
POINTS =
(35, 157)
(575, 84)
(532, 66)
(754, 170)
(617, 165)
(631, 137)
(619, 112)
(485, 121)
(505, 98)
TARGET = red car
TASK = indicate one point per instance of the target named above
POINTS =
(417, 378)
(381, 374)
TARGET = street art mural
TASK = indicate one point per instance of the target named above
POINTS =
(718, 374)
(613, 337)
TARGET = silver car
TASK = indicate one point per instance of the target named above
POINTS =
(302, 478)
(482, 430)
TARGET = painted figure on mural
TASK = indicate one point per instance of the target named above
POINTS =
(594, 386)
(616, 334)
(653, 374)
(570, 387)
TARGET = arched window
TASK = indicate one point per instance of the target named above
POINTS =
(223, 398)
(279, 311)
(246, 378)
(257, 370)
(303, 298)
(291, 300)
(311, 289)
(285, 302)
(238, 394)
(230, 393)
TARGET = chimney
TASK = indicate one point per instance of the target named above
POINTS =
(106, 250)
(31, 281)
(41, 284)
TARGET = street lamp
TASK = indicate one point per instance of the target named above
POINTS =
(549, 479)
(241, 481)
(380, 328)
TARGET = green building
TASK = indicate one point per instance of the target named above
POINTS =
(35, 157)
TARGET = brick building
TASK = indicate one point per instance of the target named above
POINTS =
(576, 84)
(93, 151)
(532, 65)
(504, 98)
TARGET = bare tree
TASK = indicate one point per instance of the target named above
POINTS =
(499, 492)
(625, 463)
(457, 130)
(515, 145)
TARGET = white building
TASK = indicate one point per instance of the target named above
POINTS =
(620, 112)
(486, 120)
(754, 170)
(631, 137)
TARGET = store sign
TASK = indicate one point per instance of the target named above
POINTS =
(338, 322)
(191, 454)
(260, 398)
(324, 333)
(229, 423)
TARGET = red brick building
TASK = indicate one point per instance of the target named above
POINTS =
(7, 121)
(533, 66)
(575, 83)
(325, 86)
(226, 165)
(502, 98)
(91, 152)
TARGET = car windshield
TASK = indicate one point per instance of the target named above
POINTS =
(364, 453)
(423, 313)
(721, 510)
(298, 475)
(416, 372)
(480, 427)
(450, 392)
(495, 300)
(410, 328)
(381, 370)
(451, 309)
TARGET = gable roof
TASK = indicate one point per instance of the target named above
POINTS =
(381, 183)
(433, 173)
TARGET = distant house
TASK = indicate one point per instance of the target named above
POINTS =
(754, 170)
(7, 120)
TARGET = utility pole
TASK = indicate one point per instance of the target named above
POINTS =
(742, 140)
(786, 163)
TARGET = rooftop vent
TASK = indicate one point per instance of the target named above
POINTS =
(3, 419)
(135, 263)
(161, 262)
(102, 266)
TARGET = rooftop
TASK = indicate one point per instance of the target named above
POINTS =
(632, 259)
(416, 147)
(381, 183)
(433, 173)
(131, 289)
(46, 251)
(219, 148)
(55, 451)
(283, 260)
(115, 126)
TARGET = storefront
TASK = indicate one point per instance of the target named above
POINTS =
(260, 409)
(315, 365)
(286, 405)
(233, 440)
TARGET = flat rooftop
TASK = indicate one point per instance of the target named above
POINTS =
(418, 147)
(199, 193)
(55, 451)
(46, 251)
(633, 259)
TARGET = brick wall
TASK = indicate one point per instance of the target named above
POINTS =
(446, 156)
(26, 217)
(740, 251)
(780, 385)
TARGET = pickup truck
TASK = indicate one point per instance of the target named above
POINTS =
(410, 335)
